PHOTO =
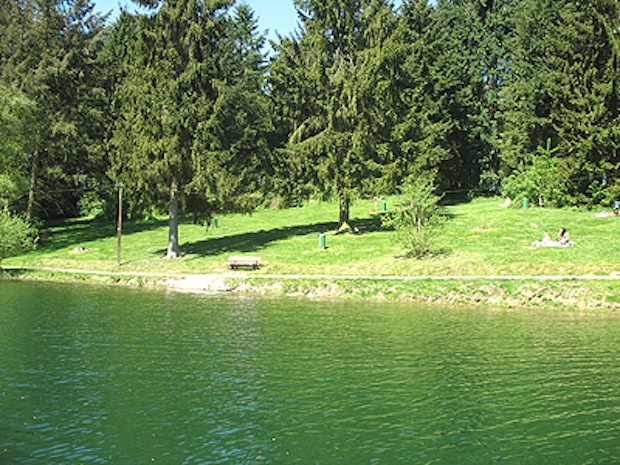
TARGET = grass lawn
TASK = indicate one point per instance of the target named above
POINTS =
(479, 238)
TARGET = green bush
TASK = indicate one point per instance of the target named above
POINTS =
(15, 234)
(91, 204)
(416, 217)
(609, 193)
(542, 181)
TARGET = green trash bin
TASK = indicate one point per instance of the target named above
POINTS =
(321, 241)
(525, 203)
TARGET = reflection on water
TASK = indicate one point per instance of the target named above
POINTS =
(120, 376)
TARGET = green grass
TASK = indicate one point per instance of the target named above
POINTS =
(479, 238)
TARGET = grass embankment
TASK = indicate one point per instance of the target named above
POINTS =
(479, 244)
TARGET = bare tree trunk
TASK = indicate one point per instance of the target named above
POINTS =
(173, 223)
(33, 169)
(343, 222)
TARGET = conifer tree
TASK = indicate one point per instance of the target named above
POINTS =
(334, 117)
(173, 57)
(190, 113)
(421, 128)
(49, 52)
(564, 88)
(294, 103)
(231, 150)
(17, 130)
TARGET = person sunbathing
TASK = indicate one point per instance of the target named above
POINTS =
(563, 240)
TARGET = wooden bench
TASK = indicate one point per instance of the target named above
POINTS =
(244, 262)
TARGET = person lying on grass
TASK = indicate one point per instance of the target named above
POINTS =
(563, 240)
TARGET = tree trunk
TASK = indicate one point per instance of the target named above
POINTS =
(343, 222)
(173, 223)
(33, 169)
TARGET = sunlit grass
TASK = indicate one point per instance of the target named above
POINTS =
(478, 238)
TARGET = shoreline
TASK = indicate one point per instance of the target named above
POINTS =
(571, 293)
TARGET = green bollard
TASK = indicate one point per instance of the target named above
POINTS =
(383, 206)
(525, 202)
(321, 241)
(214, 222)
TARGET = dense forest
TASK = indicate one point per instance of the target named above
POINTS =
(191, 110)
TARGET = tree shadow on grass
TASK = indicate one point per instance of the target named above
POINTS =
(74, 232)
(81, 231)
(455, 198)
(369, 225)
(251, 241)
(255, 241)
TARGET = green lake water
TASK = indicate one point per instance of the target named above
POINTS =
(100, 375)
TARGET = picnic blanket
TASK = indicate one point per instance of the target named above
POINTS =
(552, 244)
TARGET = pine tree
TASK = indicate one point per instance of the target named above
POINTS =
(231, 150)
(294, 104)
(17, 128)
(421, 128)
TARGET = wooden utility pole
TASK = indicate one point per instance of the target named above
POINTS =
(119, 223)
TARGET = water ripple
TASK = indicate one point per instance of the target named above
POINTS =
(126, 377)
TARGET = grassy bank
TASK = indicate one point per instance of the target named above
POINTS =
(480, 240)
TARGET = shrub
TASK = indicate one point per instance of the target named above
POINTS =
(91, 204)
(416, 217)
(542, 181)
(15, 234)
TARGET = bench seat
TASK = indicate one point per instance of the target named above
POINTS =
(244, 262)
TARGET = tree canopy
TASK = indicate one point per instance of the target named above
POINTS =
(184, 105)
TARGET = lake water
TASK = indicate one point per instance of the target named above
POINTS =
(100, 375)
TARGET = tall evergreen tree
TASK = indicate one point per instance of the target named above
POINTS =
(564, 89)
(456, 66)
(294, 103)
(455, 83)
(333, 113)
(190, 109)
(17, 130)
(494, 56)
(50, 53)
(231, 149)
(373, 96)
(173, 58)
(421, 129)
